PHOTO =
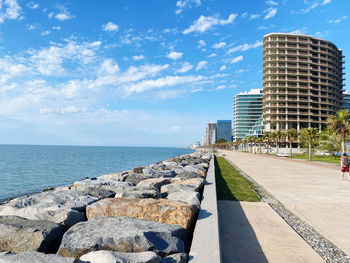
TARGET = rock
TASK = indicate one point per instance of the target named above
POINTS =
(195, 169)
(183, 175)
(154, 182)
(189, 197)
(98, 192)
(194, 182)
(62, 207)
(159, 173)
(34, 257)
(137, 170)
(205, 165)
(173, 187)
(18, 234)
(88, 182)
(136, 178)
(156, 210)
(137, 192)
(119, 176)
(105, 256)
(122, 234)
(176, 258)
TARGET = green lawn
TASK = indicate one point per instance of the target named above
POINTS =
(230, 185)
(319, 158)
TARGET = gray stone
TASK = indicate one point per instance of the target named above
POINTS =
(175, 258)
(122, 234)
(184, 175)
(137, 192)
(99, 192)
(153, 182)
(105, 256)
(137, 170)
(34, 257)
(63, 207)
(189, 197)
(171, 188)
(88, 182)
(118, 176)
(159, 173)
(136, 178)
(18, 234)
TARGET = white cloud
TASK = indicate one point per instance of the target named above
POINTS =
(32, 5)
(186, 4)
(223, 67)
(166, 81)
(236, 59)
(175, 55)
(212, 55)
(10, 10)
(202, 65)
(298, 31)
(336, 21)
(270, 2)
(254, 16)
(221, 87)
(244, 15)
(185, 67)
(271, 12)
(204, 23)
(56, 28)
(245, 47)
(63, 16)
(110, 27)
(325, 2)
(30, 27)
(139, 57)
(314, 5)
(219, 45)
(201, 43)
(45, 33)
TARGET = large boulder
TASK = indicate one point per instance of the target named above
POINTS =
(153, 182)
(18, 234)
(80, 185)
(197, 182)
(118, 176)
(135, 178)
(167, 189)
(34, 257)
(156, 210)
(195, 169)
(155, 173)
(137, 192)
(63, 207)
(189, 197)
(122, 234)
(105, 256)
(175, 258)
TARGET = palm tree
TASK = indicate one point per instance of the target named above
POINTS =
(309, 134)
(292, 135)
(339, 123)
(277, 137)
(267, 139)
(259, 140)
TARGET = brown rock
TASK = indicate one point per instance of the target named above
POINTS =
(153, 182)
(194, 182)
(156, 210)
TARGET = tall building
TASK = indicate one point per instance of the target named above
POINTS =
(247, 111)
(224, 130)
(211, 133)
(302, 81)
(346, 101)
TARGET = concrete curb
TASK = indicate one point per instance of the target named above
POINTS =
(206, 242)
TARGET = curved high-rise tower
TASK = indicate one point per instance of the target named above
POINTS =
(302, 81)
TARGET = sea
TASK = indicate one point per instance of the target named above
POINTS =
(27, 169)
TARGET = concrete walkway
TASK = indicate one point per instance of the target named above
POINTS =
(254, 233)
(312, 192)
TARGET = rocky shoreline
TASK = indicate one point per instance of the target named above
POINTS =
(146, 214)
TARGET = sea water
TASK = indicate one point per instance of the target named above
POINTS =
(31, 168)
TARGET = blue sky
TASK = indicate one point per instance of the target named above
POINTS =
(148, 73)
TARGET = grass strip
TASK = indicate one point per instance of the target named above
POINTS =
(230, 185)
(318, 158)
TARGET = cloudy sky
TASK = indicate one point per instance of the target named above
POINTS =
(148, 73)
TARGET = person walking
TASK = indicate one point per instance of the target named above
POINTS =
(344, 163)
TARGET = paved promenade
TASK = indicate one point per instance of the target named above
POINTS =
(309, 190)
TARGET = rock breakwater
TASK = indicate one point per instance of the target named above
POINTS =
(142, 215)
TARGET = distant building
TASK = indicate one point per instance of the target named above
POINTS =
(258, 128)
(211, 133)
(247, 111)
(346, 101)
(224, 130)
(302, 81)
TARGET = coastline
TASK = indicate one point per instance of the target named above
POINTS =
(171, 188)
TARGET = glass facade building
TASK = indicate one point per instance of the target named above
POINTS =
(247, 111)
(224, 130)
(346, 101)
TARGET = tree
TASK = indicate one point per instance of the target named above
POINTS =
(292, 135)
(339, 123)
(259, 140)
(309, 135)
(267, 139)
(277, 136)
(330, 141)
(221, 140)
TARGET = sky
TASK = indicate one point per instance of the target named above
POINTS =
(137, 72)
